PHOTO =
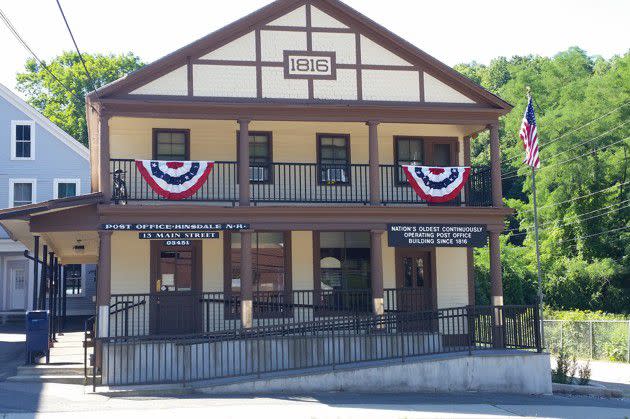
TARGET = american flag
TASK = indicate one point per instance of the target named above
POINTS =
(529, 135)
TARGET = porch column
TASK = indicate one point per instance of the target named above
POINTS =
(496, 287)
(375, 184)
(104, 175)
(35, 271)
(247, 294)
(243, 162)
(41, 305)
(376, 271)
(103, 283)
(495, 166)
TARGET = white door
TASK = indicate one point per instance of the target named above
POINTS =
(17, 286)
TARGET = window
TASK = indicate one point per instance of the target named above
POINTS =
(171, 144)
(22, 140)
(65, 188)
(343, 271)
(260, 157)
(333, 155)
(431, 151)
(269, 262)
(21, 192)
(408, 150)
(73, 275)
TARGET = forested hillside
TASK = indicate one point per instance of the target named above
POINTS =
(583, 109)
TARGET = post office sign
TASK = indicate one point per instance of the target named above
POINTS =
(436, 235)
(178, 235)
(175, 227)
(310, 65)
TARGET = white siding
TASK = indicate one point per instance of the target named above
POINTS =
(294, 18)
(372, 53)
(343, 44)
(276, 86)
(452, 277)
(321, 19)
(174, 83)
(436, 91)
(274, 43)
(344, 88)
(391, 85)
(241, 49)
(224, 81)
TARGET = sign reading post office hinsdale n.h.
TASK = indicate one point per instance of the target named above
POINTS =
(436, 235)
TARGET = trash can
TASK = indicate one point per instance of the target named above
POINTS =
(37, 323)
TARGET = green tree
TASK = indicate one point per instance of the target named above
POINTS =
(67, 108)
(582, 268)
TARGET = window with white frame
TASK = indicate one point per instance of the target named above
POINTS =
(22, 140)
(22, 192)
(65, 188)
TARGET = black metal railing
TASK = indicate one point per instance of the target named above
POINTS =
(308, 183)
(318, 343)
(207, 312)
(396, 190)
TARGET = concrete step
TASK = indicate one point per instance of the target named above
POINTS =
(68, 343)
(60, 379)
(68, 351)
(61, 369)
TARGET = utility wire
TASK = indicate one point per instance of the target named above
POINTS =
(570, 223)
(576, 198)
(593, 235)
(77, 48)
(21, 40)
(577, 217)
(575, 158)
(505, 175)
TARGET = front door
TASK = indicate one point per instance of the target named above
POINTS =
(414, 280)
(176, 289)
(17, 285)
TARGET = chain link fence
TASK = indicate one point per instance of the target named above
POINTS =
(602, 340)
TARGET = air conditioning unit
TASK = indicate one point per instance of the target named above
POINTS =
(334, 175)
(258, 174)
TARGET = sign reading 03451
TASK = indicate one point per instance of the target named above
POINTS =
(310, 65)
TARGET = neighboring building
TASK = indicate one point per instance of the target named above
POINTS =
(293, 253)
(38, 162)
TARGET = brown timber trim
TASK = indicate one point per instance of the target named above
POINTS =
(495, 165)
(353, 19)
(259, 83)
(189, 65)
(421, 85)
(359, 70)
(301, 29)
(374, 167)
(105, 186)
(301, 110)
(186, 133)
(317, 256)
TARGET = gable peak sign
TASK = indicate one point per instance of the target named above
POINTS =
(310, 65)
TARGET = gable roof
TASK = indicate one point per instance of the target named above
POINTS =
(277, 9)
(44, 122)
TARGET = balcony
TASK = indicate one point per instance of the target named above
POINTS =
(299, 183)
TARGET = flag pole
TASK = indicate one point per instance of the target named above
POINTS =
(539, 271)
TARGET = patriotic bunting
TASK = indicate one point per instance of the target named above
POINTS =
(437, 184)
(175, 180)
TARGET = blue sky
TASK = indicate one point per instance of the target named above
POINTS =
(453, 31)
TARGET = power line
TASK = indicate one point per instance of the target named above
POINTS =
(567, 223)
(593, 235)
(77, 48)
(505, 175)
(578, 216)
(574, 158)
(544, 144)
(15, 33)
(576, 198)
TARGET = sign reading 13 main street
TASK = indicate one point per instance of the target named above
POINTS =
(436, 235)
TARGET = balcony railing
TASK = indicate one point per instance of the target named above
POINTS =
(307, 183)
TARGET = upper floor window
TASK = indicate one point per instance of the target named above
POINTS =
(21, 192)
(22, 140)
(73, 275)
(260, 156)
(65, 188)
(421, 151)
(333, 154)
(171, 144)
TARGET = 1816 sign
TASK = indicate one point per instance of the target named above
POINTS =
(309, 65)
(436, 235)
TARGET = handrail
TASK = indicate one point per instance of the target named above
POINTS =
(126, 308)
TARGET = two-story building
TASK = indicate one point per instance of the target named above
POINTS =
(291, 191)
(38, 162)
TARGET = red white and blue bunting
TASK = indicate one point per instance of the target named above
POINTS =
(437, 184)
(175, 180)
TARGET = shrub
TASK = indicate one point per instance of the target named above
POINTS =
(584, 372)
(565, 368)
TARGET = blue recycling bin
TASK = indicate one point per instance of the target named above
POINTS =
(37, 323)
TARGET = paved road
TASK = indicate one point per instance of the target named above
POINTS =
(21, 400)
(12, 347)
